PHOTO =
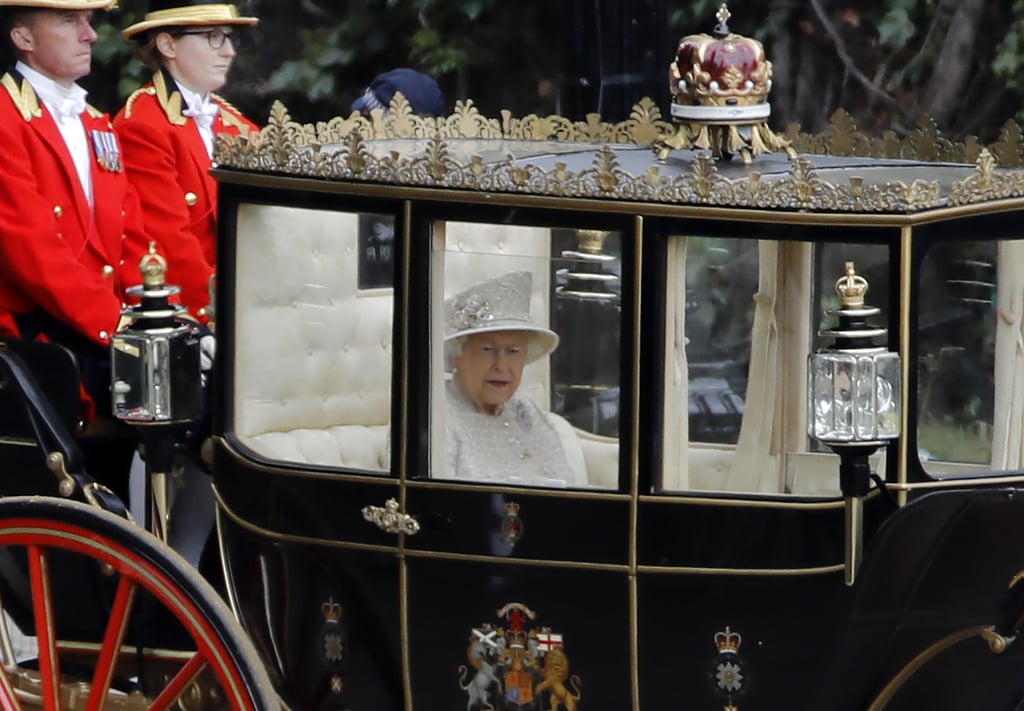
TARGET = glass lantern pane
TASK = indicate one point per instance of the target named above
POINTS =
(864, 396)
(888, 395)
(831, 389)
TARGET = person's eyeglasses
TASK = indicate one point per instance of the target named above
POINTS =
(216, 38)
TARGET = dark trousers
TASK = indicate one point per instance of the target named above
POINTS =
(93, 359)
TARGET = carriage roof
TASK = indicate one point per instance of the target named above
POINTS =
(837, 171)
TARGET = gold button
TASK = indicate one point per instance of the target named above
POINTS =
(104, 335)
(58, 211)
(108, 271)
(191, 199)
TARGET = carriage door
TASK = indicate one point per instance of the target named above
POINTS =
(517, 589)
(304, 469)
(741, 537)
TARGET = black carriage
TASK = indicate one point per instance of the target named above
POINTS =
(712, 554)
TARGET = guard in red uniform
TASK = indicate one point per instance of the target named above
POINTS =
(71, 232)
(168, 129)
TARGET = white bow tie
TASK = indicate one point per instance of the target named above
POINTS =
(204, 113)
(70, 107)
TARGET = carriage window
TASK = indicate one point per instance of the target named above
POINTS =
(971, 397)
(740, 319)
(314, 322)
(721, 277)
(527, 328)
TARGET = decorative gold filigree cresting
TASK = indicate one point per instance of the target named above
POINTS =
(987, 184)
(842, 138)
(351, 149)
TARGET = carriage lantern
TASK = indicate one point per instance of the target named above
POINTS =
(854, 402)
(156, 358)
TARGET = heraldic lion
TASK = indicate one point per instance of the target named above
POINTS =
(556, 672)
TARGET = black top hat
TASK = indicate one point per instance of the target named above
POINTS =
(421, 91)
(176, 13)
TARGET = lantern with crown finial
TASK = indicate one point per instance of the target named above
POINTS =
(720, 86)
(854, 403)
(156, 358)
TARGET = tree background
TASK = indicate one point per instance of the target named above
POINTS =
(885, 62)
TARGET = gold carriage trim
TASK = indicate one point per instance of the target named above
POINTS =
(341, 149)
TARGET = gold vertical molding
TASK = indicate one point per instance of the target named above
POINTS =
(403, 581)
(403, 456)
(906, 252)
(634, 465)
(407, 240)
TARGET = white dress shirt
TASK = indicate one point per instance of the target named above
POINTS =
(66, 105)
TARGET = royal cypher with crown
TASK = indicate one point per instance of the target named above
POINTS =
(169, 127)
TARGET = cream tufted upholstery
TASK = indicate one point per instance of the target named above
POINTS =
(313, 358)
(313, 354)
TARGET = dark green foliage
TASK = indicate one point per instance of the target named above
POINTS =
(887, 62)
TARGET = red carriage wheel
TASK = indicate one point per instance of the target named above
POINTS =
(115, 619)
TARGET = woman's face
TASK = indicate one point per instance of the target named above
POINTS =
(193, 60)
(490, 368)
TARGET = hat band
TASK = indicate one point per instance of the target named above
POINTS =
(370, 101)
(196, 13)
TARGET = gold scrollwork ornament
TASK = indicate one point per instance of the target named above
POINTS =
(390, 520)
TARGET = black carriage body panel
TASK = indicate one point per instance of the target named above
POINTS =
(758, 536)
(570, 529)
(303, 505)
(325, 620)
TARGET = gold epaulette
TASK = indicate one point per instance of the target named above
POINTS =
(232, 116)
(93, 111)
(24, 97)
(170, 101)
(146, 90)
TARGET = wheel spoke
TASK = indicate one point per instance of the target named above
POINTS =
(117, 626)
(46, 635)
(178, 683)
(8, 699)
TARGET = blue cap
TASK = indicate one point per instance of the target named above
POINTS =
(421, 91)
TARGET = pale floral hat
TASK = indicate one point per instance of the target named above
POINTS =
(499, 304)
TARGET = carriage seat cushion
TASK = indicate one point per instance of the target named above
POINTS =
(356, 446)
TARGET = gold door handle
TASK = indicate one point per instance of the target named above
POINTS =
(390, 520)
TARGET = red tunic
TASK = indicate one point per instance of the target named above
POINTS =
(56, 254)
(167, 163)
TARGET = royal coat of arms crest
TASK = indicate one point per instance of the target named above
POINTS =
(517, 665)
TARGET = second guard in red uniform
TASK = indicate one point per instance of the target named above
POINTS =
(169, 129)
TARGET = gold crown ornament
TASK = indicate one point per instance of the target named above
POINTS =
(851, 288)
(728, 641)
(720, 86)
